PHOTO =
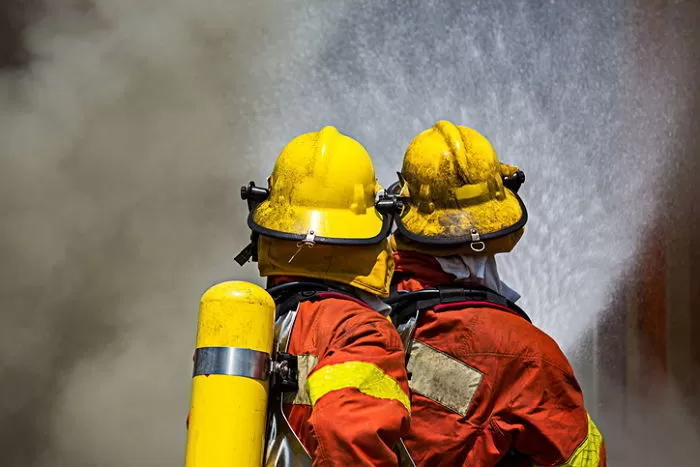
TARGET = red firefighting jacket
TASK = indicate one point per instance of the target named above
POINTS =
(352, 406)
(485, 382)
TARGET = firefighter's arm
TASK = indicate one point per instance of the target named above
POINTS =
(359, 394)
(547, 420)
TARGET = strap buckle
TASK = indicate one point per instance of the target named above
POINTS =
(284, 374)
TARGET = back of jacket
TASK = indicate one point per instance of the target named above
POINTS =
(352, 406)
(485, 382)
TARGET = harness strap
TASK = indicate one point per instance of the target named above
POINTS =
(289, 295)
(408, 304)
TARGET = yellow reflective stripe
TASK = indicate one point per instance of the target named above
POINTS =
(588, 452)
(365, 377)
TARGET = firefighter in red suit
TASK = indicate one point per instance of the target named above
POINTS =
(487, 387)
(316, 231)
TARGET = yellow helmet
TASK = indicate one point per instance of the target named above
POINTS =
(322, 190)
(459, 195)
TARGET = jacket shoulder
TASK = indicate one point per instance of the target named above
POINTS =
(486, 330)
(529, 341)
(338, 316)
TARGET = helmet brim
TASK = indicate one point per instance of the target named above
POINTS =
(329, 226)
(451, 226)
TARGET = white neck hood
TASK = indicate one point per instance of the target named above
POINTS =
(478, 269)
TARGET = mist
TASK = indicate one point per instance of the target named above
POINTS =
(127, 128)
(124, 143)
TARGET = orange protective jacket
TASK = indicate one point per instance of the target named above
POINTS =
(352, 406)
(485, 382)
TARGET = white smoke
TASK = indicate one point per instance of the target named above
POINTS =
(124, 145)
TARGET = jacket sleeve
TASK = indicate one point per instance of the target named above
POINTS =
(359, 394)
(547, 420)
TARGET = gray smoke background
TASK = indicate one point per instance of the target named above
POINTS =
(128, 126)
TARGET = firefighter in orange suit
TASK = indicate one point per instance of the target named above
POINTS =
(325, 250)
(487, 387)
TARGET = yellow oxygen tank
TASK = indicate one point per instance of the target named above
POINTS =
(228, 410)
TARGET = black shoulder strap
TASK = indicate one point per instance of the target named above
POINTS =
(406, 304)
(288, 295)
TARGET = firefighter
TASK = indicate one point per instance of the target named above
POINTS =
(487, 386)
(324, 248)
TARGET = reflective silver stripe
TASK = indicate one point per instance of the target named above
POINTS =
(284, 449)
(231, 361)
(283, 330)
(305, 364)
(442, 378)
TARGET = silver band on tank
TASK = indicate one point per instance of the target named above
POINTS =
(232, 361)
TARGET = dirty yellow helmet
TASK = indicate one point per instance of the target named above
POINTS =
(460, 198)
(322, 190)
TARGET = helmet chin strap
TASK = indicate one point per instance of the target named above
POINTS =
(309, 241)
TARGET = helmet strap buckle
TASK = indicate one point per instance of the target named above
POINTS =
(476, 244)
(309, 241)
